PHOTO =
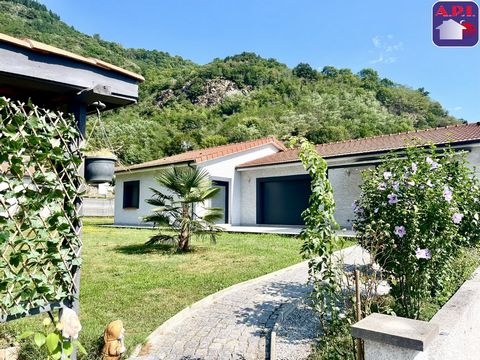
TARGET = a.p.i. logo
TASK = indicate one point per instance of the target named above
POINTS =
(455, 23)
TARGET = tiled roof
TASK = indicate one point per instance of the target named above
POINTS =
(443, 135)
(44, 48)
(201, 155)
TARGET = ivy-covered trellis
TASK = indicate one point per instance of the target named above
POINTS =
(40, 194)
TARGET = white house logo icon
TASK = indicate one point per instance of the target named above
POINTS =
(451, 30)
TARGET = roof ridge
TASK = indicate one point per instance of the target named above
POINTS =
(225, 145)
(201, 155)
(454, 134)
(395, 134)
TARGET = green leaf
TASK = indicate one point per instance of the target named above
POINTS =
(57, 354)
(67, 348)
(52, 342)
(39, 339)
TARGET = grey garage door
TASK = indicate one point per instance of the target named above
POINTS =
(281, 200)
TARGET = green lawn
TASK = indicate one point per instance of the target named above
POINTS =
(122, 279)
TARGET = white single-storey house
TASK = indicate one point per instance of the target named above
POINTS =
(264, 183)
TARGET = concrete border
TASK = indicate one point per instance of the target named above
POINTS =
(9, 353)
(397, 331)
(239, 229)
(285, 310)
(452, 333)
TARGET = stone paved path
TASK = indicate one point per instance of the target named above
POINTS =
(232, 324)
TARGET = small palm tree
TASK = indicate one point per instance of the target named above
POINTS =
(187, 187)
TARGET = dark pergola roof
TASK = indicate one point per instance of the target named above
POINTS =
(55, 78)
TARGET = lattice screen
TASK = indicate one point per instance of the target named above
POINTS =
(40, 194)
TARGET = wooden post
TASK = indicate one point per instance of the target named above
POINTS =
(358, 313)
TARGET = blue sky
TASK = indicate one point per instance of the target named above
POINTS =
(392, 37)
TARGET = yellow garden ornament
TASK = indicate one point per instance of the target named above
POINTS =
(113, 337)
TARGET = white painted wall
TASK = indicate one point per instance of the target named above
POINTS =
(473, 157)
(132, 216)
(345, 182)
(219, 169)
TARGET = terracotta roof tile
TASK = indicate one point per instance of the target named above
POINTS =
(438, 136)
(201, 155)
(44, 48)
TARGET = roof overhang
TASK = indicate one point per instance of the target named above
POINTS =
(360, 159)
(123, 170)
(55, 79)
(197, 159)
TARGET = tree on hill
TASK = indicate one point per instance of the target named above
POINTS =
(305, 71)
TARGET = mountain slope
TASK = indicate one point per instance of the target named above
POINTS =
(184, 105)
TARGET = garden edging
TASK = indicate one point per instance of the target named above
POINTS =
(284, 310)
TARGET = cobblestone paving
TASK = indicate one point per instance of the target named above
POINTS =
(235, 325)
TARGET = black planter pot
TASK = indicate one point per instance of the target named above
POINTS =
(99, 169)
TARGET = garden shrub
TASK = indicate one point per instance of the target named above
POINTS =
(417, 211)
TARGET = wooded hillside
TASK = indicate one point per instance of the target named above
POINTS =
(185, 106)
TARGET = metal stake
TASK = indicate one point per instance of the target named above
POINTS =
(358, 314)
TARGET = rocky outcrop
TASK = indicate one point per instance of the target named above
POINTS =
(214, 92)
(164, 97)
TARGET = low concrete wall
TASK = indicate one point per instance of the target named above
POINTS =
(459, 321)
(456, 326)
(98, 207)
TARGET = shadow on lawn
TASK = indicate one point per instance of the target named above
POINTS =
(163, 249)
(138, 249)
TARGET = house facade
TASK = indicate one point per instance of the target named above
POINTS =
(133, 184)
(263, 183)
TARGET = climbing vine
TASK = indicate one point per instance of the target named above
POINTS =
(39, 219)
(319, 243)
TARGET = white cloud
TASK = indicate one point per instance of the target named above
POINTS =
(385, 47)
(384, 60)
(394, 47)
(457, 108)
